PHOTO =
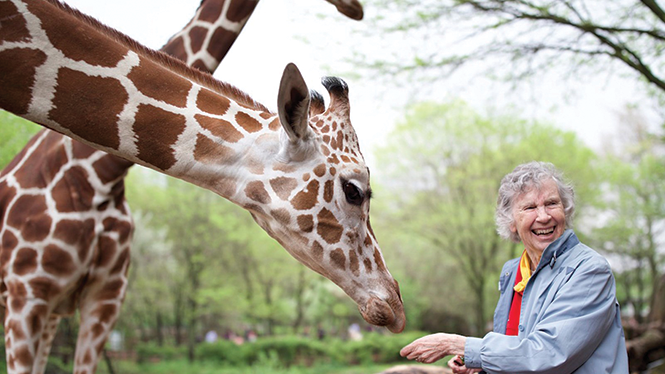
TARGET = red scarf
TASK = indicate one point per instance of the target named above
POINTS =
(516, 306)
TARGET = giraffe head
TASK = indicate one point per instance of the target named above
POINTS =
(318, 198)
(350, 8)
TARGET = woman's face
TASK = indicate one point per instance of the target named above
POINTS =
(539, 217)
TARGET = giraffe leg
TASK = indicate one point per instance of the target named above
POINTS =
(25, 321)
(100, 308)
(41, 359)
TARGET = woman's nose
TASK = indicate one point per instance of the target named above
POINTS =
(542, 214)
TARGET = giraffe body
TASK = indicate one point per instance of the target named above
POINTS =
(295, 177)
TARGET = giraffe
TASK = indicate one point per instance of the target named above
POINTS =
(299, 173)
(94, 176)
(94, 213)
(205, 40)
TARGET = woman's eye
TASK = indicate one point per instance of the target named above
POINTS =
(353, 195)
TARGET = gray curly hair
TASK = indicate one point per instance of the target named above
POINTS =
(522, 179)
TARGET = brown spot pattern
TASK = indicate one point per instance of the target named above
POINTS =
(14, 27)
(353, 263)
(9, 242)
(275, 124)
(111, 290)
(36, 318)
(306, 222)
(338, 259)
(17, 81)
(320, 170)
(329, 190)
(109, 168)
(197, 37)
(77, 112)
(43, 288)
(212, 103)
(380, 266)
(122, 263)
(307, 198)
(368, 265)
(175, 47)
(107, 251)
(257, 192)
(85, 44)
(57, 261)
(105, 312)
(220, 128)
(43, 164)
(7, 194)
(25, 261)
(247, 122)
(225, 38)
(157, 130)
(149, 79)
(328, 227)
(209, 152)
(122, 228)
(22, 355)
(282, 186)
(30, 216)
(317, 251)
(82, 151)
(73, 193)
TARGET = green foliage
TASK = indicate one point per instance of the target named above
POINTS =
(14, 134)
(147, 352)
(373, 348)
(224, 352)
(287, 351)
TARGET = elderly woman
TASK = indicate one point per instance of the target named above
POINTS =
(557, 312)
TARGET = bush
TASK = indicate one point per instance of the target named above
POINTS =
(222, 352)
(373, 348)
(151, 352)
(287, 351)
(292, 350)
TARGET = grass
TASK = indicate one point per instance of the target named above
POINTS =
(184, 367)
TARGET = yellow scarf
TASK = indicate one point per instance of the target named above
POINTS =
(525, 270)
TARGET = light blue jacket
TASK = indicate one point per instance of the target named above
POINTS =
(569, 322)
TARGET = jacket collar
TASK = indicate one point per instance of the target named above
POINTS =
(557, 248)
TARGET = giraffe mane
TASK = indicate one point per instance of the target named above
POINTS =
(202, 78)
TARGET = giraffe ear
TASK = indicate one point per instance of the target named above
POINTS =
(293, 103)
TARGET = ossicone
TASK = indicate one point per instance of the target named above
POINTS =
(339, 93)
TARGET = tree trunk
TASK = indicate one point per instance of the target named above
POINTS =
(647, 348)
(160, 327)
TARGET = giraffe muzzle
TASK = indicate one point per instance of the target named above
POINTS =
(389, 313)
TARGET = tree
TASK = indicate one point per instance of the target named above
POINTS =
(634, 211)
(527, 36)
(442, 169)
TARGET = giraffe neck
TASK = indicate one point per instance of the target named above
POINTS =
(206, 39)
(164, 115)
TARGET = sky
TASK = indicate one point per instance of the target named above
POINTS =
(314, 36)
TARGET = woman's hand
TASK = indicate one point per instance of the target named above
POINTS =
(457, 364)
(431, 348)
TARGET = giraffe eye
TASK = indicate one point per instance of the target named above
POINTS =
(354, 195)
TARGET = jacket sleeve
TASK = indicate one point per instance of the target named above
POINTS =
(568, 329)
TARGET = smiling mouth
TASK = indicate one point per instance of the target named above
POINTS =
(544, 231)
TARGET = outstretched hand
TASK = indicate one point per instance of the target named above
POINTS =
(431, 348)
